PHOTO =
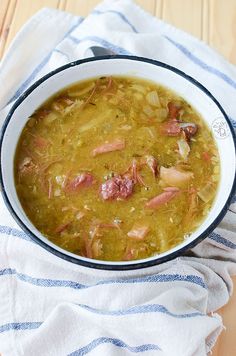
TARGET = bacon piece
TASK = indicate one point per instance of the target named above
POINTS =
(61, 103)
(189, 129)
(206, 156)
(27, 166)
(50, 187)
(171, 128)
(130, 254)
(138, 232)
(162, 198)
(109, 84)
(152, 164)
(116, 145)
(62, 227)
(173, 111)
(88, 246)
(41, 142)
(140, 180)
(174, 177)
(43, 113)
(109, 226)
(91, 95)
(82, 180)
(117, 187)
(136, 177)
(134, 170)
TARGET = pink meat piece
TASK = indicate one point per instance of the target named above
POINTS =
(41, 142)
(27, 166)
(117, 187)
(82, 180)
(162, 198)
(173, 111)
(116, 145)
(171, 128)
(174, 127)
(129, 254)
(62, 227)
(189, 129)
(138, 232)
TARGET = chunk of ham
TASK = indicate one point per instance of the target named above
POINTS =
(116, 145)
(62, 227)
(174, 177)
(171, 128)
(27, 166)
(82, 180)
(174, 127)
(137, 178)
(117, 187)
(41, 142)
(206, 156)
(130, 254)
(138, 232)
(173, 111)
(88, 246)
(189, 129)
(163, 198)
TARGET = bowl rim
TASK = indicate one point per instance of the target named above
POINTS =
(92, 263)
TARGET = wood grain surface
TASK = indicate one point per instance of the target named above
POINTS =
(213, 21)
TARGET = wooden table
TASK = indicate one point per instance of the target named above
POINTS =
(213, 21)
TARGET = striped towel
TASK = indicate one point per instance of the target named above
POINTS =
(50, 307)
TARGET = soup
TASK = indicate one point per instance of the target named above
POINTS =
(116, 168)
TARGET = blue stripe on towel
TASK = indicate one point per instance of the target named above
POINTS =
(202, 64)
(121, 16)
(31, 77)
(41, 65)
(114, 48)
(20, 326)
(140, 309)
(158, 278)
(14, 232)
(7, 271)
(221, 240)
(116, 342)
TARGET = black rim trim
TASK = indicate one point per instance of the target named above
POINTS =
(92, 264)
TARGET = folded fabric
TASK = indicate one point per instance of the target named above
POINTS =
(53, 307)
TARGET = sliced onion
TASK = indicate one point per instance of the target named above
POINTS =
(161, 114)
(139, 88)
(184, 148)
(82, 91)
(148, 110)
(207, 193)
(153, 98)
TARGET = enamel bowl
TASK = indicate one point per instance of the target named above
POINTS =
(187, 87)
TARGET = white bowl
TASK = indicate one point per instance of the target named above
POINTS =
(187, 87)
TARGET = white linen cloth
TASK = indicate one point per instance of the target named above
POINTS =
(50, 307)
